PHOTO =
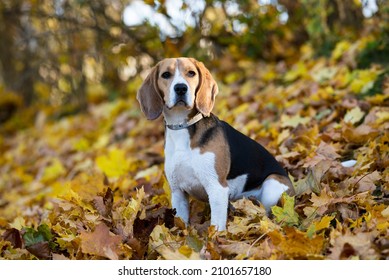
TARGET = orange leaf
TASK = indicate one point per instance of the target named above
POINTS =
(301, 245)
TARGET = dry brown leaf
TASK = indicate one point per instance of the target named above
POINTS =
(349, 245)
(101, 242)
(360, 135)
(240, 250)
(366, 182)
(13, 235)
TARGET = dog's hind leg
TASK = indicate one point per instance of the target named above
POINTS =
(269, 194)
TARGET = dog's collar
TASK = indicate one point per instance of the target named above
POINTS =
(187, 124)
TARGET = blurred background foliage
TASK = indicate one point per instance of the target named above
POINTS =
(60, 56)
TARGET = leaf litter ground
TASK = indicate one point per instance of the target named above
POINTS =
(91, 186)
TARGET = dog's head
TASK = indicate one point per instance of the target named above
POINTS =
(177, 82)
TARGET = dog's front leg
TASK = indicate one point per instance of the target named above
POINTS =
(181, 203)
(218, 201)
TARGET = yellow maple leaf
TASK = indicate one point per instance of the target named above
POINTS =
(53, 171)
(295, 244)
(60, 190)
(87, 186)
(319, 225)
(114, 164)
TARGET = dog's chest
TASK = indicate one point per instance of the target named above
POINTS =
(187, 168)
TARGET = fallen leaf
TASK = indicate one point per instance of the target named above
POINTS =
(312, 182)
(240, 250)
(248, 208)
(349, 245)
(53, 171)
(354, 115)
(385, 212)
(32, 236)
(365, 182)
(87, 186)
(162, 241)
(101, 242)
(286, 214)
(114, 164)
(296, 244)
(359, 135)
(287, 121)
(363, 80)
(185, 250)
(340, 48)
(41, 250)
(152, 174)
(13, 235)
(321, 202)
(103, 204)
(317, 226)
(298, 70)
(328, 151)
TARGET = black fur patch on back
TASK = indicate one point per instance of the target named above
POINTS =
(249, 157)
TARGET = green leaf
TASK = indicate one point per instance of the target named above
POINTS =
(286, 214)
(32, 236)
(45, 231)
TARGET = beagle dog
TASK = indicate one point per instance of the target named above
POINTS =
(204, 156)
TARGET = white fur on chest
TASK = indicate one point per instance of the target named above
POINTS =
(188, 169)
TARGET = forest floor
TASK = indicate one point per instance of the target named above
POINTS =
(91, 186)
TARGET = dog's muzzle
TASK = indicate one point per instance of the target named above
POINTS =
(181, 91)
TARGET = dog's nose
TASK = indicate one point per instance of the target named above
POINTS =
(180, 89)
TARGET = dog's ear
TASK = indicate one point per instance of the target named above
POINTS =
(149, 97)
(206, 90)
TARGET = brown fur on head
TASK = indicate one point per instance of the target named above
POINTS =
(149, 96)
(157, 90)
(207, 89)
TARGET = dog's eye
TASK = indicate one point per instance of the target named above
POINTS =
(166, 75)
(191, 73)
